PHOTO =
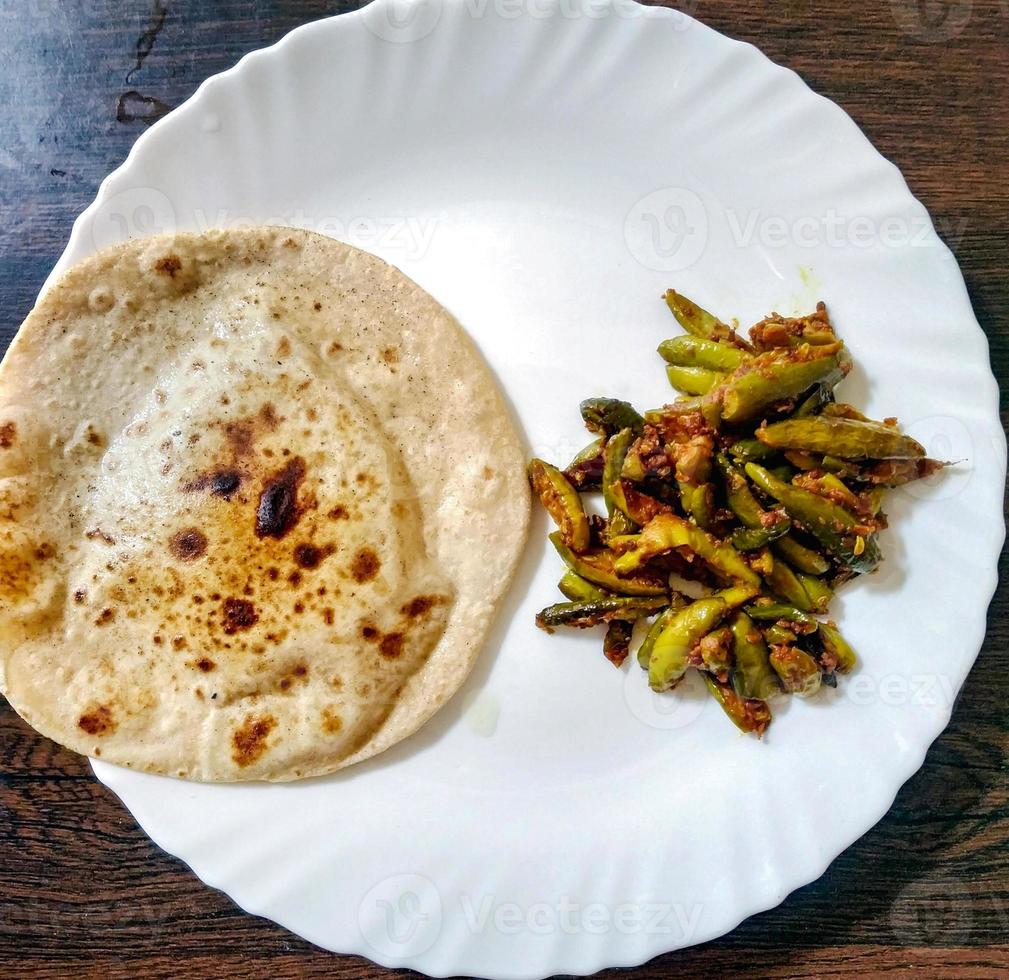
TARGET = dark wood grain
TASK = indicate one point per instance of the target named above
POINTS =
(84, 893)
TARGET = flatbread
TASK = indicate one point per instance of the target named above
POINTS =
(259, 500)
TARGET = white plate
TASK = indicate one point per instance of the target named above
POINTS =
(546, 169)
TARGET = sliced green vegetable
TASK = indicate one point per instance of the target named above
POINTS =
(784, 583)
(814, 403)
(798, 671)
(779, 612)
(801, 558)
(752, 539)
(715, 650)
(774, 377)
(899, 472)
(619, 525)
(835, 646)
(697, 352)
(613, 463)
(575, 588)
(751, 450)
(634, 467)
(696, 320)
(817, 591)
(841, 467)
(668, 532)
(739, 496)
(585, 471)
(737, 595)
(617, 642)
(751, 716)
(595, 612)
(677, 602)
(778, 635)
(693, 380)
(642, 507)
(784, 472)
(752, 676)
(838, 531)
(841, 410)
(698, 501)
(671, 653)
(597, 567)
(609, 415)
(562, 503)
(841, 438)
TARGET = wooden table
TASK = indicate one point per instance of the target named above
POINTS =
(82, 890)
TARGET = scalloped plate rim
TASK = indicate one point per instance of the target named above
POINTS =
(978, 625)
